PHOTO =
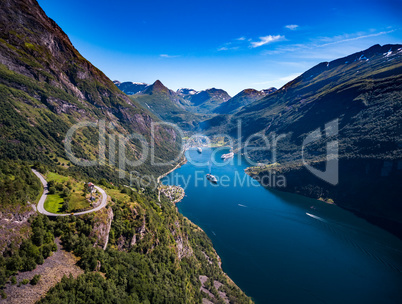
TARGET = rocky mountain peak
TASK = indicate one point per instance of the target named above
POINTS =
(156, 87)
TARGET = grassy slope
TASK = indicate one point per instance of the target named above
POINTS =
(77, 200)
(54, 203)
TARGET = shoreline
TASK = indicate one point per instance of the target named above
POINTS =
(181, 163)
(184, 161)
(392, 226)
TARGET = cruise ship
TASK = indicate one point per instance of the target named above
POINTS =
(212, 178)
(227, 155)
(199, 150)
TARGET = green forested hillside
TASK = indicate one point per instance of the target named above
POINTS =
(154, 255)
(46, 87)
(18, 185)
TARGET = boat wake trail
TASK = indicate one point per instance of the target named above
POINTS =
(241, 205)
(316, 217)
(343, 232)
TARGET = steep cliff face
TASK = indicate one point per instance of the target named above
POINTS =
(182, 245)
(47, 86)
(34, 45)
(102, 223)
(14, 225)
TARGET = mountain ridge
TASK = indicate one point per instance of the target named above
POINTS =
(208, 101)
(166, 105)
(130, 88)
(49, 87)
(243, 98)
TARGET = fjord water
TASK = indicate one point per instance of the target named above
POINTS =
(284, 248)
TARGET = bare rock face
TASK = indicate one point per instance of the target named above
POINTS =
(14, 226)
(182, 245)
(216, 285)
(125, 242)
(141, 230)
(102, 224)
(133, 240)
(60, 106)
(98, 266)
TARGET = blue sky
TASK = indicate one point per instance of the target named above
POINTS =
(231, 45)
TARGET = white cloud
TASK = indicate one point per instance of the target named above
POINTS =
(225, 48)
(341, 39)
(168, 56)
(336, 46)
(291, 27)
(266, 39)
(235, 44)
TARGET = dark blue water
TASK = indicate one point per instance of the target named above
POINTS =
(276, 252)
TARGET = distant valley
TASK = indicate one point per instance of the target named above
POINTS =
(188, 107)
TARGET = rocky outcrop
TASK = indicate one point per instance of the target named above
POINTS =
(222, 294)
(133, 240)
(203, 279)
(14, 226)
(182, 245)
(216, 285)
(141, 230)
(102, 224)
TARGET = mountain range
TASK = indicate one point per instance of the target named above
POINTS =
(130, 88)
(242, 99)
(166, 104)
(188, 107)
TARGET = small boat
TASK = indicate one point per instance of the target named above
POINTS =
(227, 155)
(199, 150)
(212, 178)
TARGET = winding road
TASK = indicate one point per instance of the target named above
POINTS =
(41, 203)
